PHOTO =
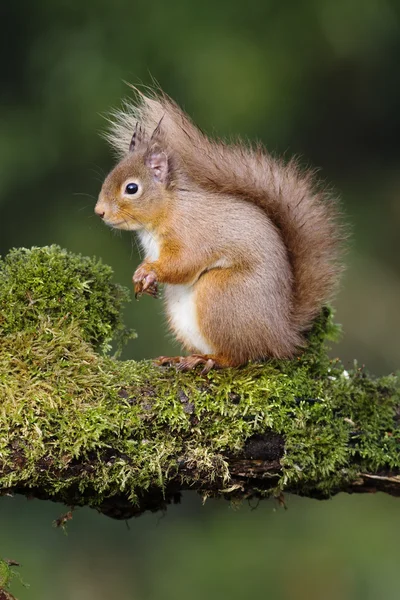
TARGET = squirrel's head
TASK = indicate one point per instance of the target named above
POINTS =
(135, 194)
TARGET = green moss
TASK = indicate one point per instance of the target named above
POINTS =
(51, 281)
(7, 575)
(136, 426)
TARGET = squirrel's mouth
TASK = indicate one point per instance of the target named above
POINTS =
(128, 226)
(119, 224)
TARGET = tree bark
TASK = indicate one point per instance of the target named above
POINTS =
(267, 462)
(250, 479)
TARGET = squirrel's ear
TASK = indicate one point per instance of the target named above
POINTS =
(157, 161)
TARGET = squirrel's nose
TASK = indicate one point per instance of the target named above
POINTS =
(99, 210)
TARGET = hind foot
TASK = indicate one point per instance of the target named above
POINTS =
(187, 363)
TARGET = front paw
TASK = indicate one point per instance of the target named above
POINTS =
(145, 282)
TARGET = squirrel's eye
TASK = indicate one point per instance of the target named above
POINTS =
(131, 188)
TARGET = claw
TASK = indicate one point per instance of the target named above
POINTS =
(146, 285)
(149, 283)
(210, 364)
(187, 363)
(138, 290)
(163, 361)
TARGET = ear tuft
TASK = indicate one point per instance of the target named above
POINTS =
(137, 137)
(157, 133)
(157, 161)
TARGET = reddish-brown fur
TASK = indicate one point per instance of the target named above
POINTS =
(254, 238)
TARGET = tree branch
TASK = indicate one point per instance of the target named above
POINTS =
(125, 437)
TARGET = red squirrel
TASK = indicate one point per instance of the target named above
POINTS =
(247, 245)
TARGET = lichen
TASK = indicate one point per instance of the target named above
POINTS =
(73, 418)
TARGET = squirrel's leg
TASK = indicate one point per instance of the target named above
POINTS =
(176, 267)
(180, 269)
(232, 323)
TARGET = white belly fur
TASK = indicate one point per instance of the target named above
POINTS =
(149, 244)
(181, 310)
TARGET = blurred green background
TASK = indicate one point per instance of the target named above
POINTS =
(316, 78)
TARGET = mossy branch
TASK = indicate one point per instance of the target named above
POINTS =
(125, 437)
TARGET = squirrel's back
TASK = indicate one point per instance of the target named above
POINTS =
(305, 214)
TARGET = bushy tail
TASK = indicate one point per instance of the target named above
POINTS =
(304, 212)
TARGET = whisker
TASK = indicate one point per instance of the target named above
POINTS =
(126, 213)
(99, 171)
(138, 248)
(133, 238)
(84, 194)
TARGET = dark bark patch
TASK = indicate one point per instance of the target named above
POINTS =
(268, 447)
